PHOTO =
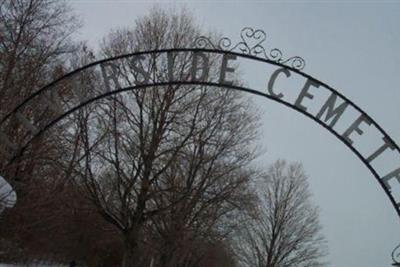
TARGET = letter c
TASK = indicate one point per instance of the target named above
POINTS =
(272, 81)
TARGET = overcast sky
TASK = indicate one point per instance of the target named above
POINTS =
(353, 47)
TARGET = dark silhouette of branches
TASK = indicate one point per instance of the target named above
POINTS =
(285, 230)
(167, 162)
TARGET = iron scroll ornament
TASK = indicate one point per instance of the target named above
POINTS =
(33, 131)
(251, 44)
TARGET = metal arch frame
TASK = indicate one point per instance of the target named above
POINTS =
(396, 256)
(234, 87)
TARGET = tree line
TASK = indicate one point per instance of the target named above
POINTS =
(162, 176)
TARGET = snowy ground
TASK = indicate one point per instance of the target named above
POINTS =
(31, 265)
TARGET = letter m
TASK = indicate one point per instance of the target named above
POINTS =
(332, 112)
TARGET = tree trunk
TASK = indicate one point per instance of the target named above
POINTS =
(130, 256)
(165, 259)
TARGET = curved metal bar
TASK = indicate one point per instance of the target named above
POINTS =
(396, 255)
(249, 90)
(239, 88)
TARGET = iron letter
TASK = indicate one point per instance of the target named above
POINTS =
(138, 68)
(170, 61)
(24, 121)
(271, 82)
(52, 101)
(394, 174)
(5, 140)
(387, 144)
(204, 68)
(305, 93)
(112, 76)
(225, 69)
(331, 111)
(355, 126)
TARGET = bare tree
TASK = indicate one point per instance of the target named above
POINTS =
(34, 45)
(286, 230)
(34, 41)
(169, 161)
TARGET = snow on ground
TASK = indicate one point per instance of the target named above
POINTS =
(8, 197)
(32, 265)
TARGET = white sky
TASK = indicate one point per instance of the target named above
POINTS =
(353, 47)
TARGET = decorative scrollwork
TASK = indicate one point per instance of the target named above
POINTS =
(203, 42)
(251, 43)
(396, 256)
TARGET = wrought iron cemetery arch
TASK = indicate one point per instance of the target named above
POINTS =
(250, 47)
